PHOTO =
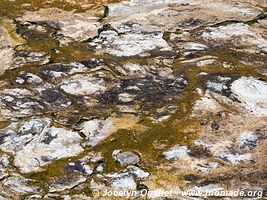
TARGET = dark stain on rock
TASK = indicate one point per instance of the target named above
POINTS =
(215, 126)
(47, 138)
(199, 152)
(54, 97)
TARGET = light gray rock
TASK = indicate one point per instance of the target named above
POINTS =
(129, 45)
(100, 168)
(125, 179)
(29, 78)
(125, 97)
(218, 84)
(5, 160)
(148, 16)
(192, 46)
(239, 35)
(125, 158)
(27, 57)
(41, 148)
(138, 173)
(201, 61)
(177, 152)
(252, 93)
(83, 85)
(233, 158)
(18, 102)
(97, 130)
(16, 135)
(20, 184)
(247, 140)
(79, 166)
(76, 26)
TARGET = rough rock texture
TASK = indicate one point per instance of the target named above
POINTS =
(252, 93)
(35, 145)
(132, 95)
(131, 44)
(77, 26)
(98, 130)
(7, 45)
(125, 158)
(51, 144)
(238, 35)
(150, 16)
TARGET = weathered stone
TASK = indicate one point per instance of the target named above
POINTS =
(19, 102)
(125, 179)
(162, 70)
(233, 158)
(147, 16)
(176, 152)
(7, 45)
(15, 136)
(130, 45)
(20, 184)
(66, 182)
(79, 166)
(252, 93)
(200, 62)
(98, 130)
(77, 26)
(126, 158)
(30, 58)
(83, 85)
(218, 84)
(247, 140)
(29, 78)
(35, 145)
(238, 35)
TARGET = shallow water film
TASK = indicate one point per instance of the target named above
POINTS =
(134, 99)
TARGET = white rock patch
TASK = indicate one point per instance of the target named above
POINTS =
(83, 85)
(252, 93)
(234, 158)
(240, 35)
(177, 152)
(51, 144)
(97, 130)
(247, 140)
(131, 44)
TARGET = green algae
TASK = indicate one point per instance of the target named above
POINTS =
(12, 9)
(176, 130)
(173, 131)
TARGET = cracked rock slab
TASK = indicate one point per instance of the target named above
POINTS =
(83, 85)
(252, 93)
(131, 44)
(36, 144)
(148, 16)
(20, 184)
(240, 35)
(76, 26)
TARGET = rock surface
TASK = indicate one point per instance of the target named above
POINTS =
(125, 158)
(7, 45)
(137, 95)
